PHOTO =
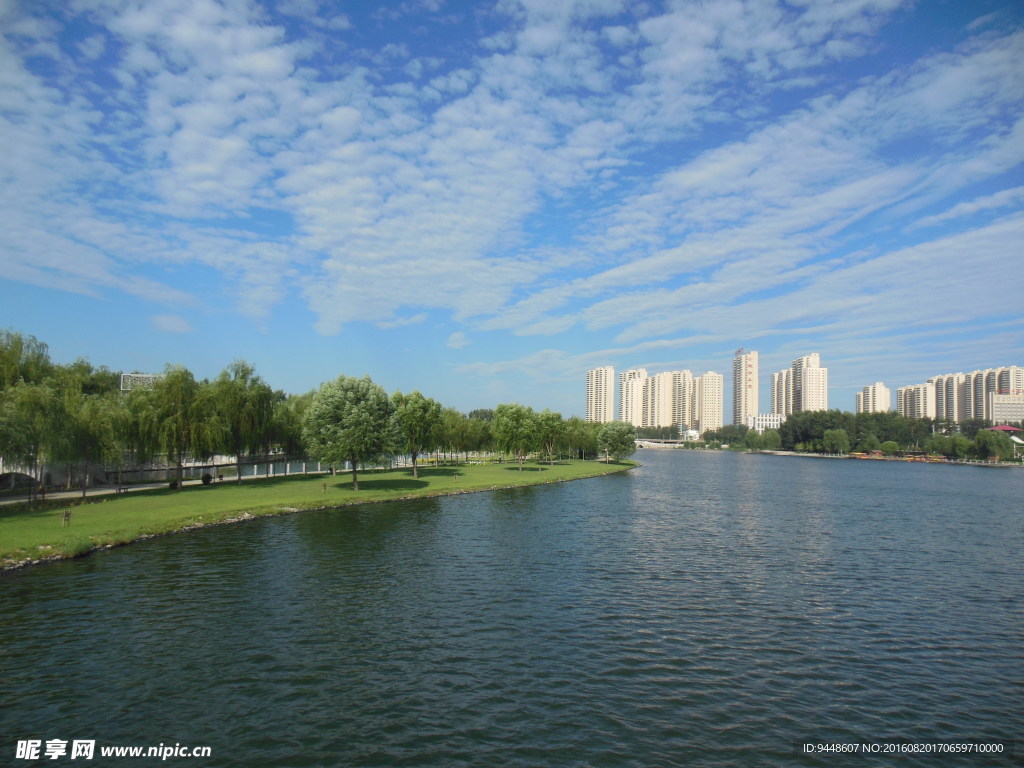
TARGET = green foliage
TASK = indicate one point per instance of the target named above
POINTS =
(179, 417)
(992, 445)
(22, 358)
(419, 424)
(29, 425)
(617, 439)
(727, 435)
(580, 437)
(350, 420)
(771, 440)
(244, 405)
(516, 430)
(889, 447)
(836, 441)
(550, 428)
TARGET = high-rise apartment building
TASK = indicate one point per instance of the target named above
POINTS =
(708, 391)
(803, 387)
(949, 396)
(682, 407)
(960, 396)
(631, 396)
(874, 398)
(916, 401)
(744, 386)
(601, 394)
(781, 393)
(659, 400)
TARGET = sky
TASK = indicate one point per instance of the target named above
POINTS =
(484, 200)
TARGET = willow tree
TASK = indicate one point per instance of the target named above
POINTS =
(22, 358)
(418, 420)
(245, 408)
(181, 418)
(27, 427)
(349, 420)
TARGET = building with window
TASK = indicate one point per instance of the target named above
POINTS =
(601, 395)
(631, 396)
(744, 386)
(874, 398)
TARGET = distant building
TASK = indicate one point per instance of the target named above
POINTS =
(1006, 409)
(802, 387)
(631, 396)
(744, 386)
(130, 381)
(916, 401)
(601, 394)
(660, 394)
(781, 393)
(708, 396)
(961, 396)
(762, 421)
(874, 398)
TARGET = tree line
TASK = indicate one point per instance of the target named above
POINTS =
(838, 431)
(77, 417)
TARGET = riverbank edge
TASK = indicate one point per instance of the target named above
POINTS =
(902, 459)
(256, 513)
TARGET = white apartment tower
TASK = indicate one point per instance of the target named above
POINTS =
(781, 393)
(659, 399)
(601, 394)
(708, 394)
(810, 384)
(631, 396)
(682, 413)
(874, 398)
(802, 387)
(916, 401)
(744, 386)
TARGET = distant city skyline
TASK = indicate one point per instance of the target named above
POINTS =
(952, 396)
(482, 201)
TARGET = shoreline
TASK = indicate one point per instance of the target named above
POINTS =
(901, 459)
(256, 513)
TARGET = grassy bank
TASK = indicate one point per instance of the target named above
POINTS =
(30, 534)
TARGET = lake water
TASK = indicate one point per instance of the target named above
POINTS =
(708, 608)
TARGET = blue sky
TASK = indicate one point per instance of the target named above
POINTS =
(484, 200)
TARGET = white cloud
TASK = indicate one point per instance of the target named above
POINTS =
(171, 323)
(457, 340)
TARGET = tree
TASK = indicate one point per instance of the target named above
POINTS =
(550, 428)
(771, 440)
(992, 444)
(27, 427)
(181, 418)
(245, 406)
(286, 432)
(350, 420)
(418, 419)
(889, 447)
(22, 358)
(836, 441)
(617, 439)
(515, 430)
(581, 436)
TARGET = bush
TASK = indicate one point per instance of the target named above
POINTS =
(207, 478)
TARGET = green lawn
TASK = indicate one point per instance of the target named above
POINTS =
(30, 534)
